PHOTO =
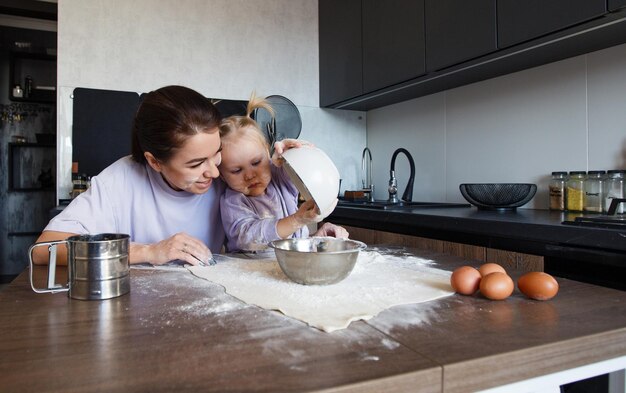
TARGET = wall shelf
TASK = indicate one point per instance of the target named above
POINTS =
(41, 68)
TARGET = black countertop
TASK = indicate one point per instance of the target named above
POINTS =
(587, 254)
(538, 232)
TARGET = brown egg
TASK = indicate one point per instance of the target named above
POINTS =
(465, 280)
(490, 268)
(496, 286)
(538, 285)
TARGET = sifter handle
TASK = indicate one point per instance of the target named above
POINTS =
(52, 264)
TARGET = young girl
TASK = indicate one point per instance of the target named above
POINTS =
(260, 203)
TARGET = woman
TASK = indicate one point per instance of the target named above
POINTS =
(165, 195)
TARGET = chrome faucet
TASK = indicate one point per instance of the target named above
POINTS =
(366, 175)
(393, 183)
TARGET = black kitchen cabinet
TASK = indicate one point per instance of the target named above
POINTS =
(366, 45)
(341, 72)
(393, 42)
(458, 31)
(520, 21)
(616, 4)
(101, 118)
(372, 52)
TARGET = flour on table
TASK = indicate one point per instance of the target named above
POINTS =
(375, 284)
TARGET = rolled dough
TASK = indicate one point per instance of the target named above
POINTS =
(376, 283)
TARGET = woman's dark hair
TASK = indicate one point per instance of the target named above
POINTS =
(167, 117)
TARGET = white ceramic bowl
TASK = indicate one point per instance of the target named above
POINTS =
(315, 175)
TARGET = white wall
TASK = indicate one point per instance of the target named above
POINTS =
(222, 48)
(567, 115)
(516, 128)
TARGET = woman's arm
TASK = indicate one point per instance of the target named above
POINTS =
(180, 246)
(40, 254)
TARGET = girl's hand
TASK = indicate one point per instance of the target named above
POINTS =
(307, 214)
(180, 246)
(282, 146)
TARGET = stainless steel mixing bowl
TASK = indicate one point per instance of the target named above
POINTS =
(317, 260)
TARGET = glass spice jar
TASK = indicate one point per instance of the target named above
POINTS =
(574, 191)
(593, 196)
(79, 185)
(18, 92)
(557, 191)
(614, 187)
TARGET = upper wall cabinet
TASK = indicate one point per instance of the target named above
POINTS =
(393, 42)
(341, 71)
(457, 31)
(375, 53)
(520, 21)
(616, 4)
(366, 45)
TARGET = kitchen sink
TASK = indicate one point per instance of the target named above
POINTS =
(386, 205)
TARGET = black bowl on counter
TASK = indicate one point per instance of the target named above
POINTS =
(498, 196)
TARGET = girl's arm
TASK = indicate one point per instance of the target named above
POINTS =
(307, 214)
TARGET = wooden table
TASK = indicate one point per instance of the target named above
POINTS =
(176, 332)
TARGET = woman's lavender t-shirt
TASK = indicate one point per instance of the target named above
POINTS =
(132, 198)
(250, 222)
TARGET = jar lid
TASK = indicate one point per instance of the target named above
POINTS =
(577, 172)
(559, 173)
(597, 172)
(616, 171)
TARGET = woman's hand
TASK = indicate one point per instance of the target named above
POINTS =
(282, 146)
(332, 230)
(180, 246)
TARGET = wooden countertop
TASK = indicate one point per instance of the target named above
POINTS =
(176, 332)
